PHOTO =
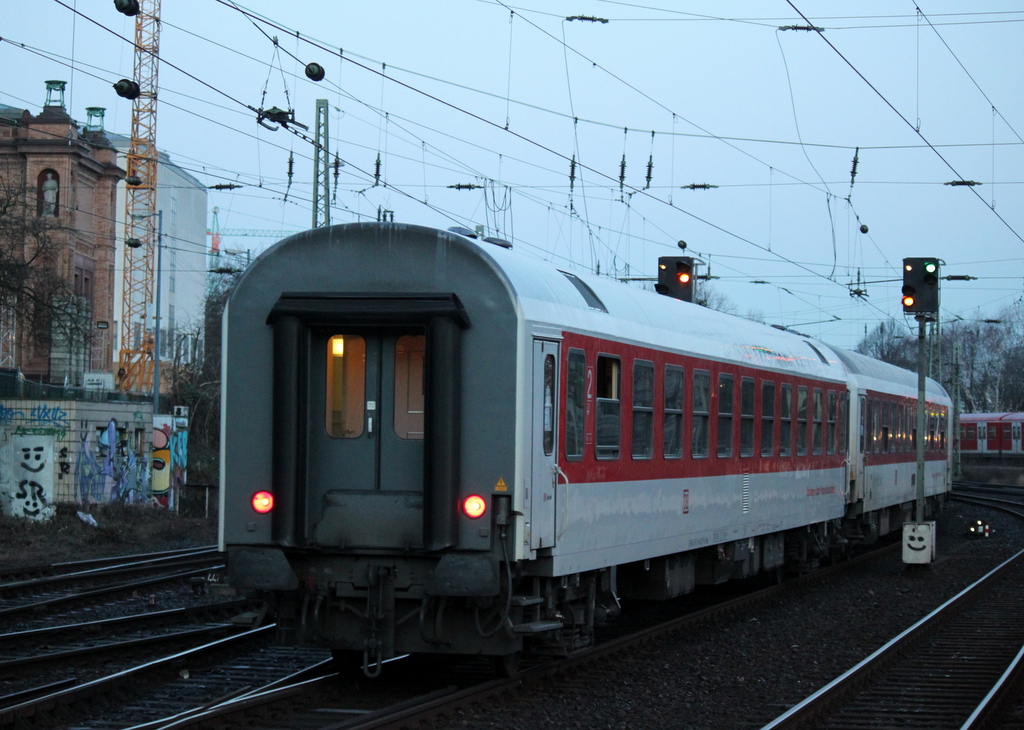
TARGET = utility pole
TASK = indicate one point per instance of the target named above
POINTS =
(321, 168)
(920, 298)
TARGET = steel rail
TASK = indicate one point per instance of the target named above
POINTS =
(26, 711)
(804, 711)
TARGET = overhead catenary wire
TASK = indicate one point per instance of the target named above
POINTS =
(858, 180)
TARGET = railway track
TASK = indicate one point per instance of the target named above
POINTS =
(949, 670)
(99, 582)
(955, 668)
(418, 691)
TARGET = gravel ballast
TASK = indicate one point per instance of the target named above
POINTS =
(748, 668)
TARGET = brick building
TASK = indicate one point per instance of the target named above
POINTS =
(64, 178)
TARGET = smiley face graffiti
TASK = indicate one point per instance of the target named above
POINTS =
(917, 543)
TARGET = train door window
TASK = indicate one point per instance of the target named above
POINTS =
(801, 420)
(409, 356)
(346, 386)
(548, 438)
(608, 407)
(767, 418)
(786, 420)
(700, 445)
(992, 432)
(575, 393)
(747, 417)
(942, 431)
(817, 434)
(863, 422)
(673, 422)
(643, 409)
(726, 407)
(844, 401)
(833, 415)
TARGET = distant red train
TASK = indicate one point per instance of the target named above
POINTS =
(991, 437)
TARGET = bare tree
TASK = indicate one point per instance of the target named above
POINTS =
(890, 342)
(35, 287)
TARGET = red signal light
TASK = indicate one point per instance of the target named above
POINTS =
(474, 506)
(683, 277)
(263, 502)
(908, 301)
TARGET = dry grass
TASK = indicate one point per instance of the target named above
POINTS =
(118, 531)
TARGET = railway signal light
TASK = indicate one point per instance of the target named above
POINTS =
(676, 277)
(920, 285)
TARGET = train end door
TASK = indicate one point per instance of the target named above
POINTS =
(543, 442)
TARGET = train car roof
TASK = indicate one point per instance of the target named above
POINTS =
(603, 306)
(1017, 416)
(547, 296)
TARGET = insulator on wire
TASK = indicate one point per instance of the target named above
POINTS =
(622, 172)
(291, 173)
(376, 171)
(650, 163)
(572, 173)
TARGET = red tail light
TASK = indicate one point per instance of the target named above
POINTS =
(263, 502)
(474, 506)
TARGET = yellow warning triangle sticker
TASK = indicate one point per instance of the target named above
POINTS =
(501, 486)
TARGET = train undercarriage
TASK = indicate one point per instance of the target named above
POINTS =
(370, 608)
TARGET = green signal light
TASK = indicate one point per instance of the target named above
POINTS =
(931, 267)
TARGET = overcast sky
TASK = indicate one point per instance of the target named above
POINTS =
(504, 96)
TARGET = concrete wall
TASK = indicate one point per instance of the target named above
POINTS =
(65, 451)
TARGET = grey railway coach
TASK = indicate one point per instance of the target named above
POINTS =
(437, 444)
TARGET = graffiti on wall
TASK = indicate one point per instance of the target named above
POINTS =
(32, 495)
(48, 456)
(106, 469)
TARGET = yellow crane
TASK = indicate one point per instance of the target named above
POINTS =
(135, 367)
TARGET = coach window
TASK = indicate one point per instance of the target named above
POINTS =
(643, 409)
(878, 426)
(819, 412)
(673, 431)
(575, 391)
(885, 426)
(786, 421)
(608, 407)
(801, 420)
(726, 407)
(346, 385)
(701, 413)
(409, 352)
(910, 416)
(833, 414)
(747, 417)
(898, 427)
(767, 418)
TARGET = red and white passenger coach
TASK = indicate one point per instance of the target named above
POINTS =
(438, 444)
